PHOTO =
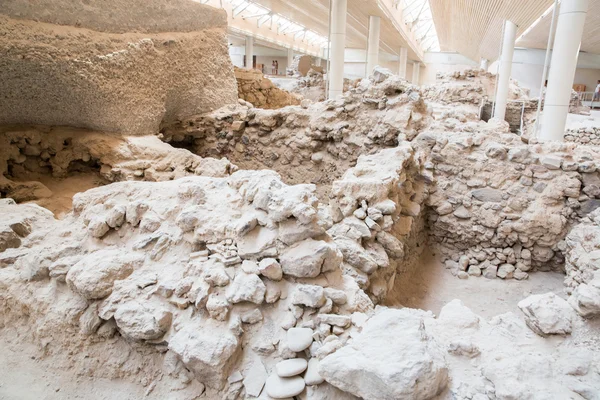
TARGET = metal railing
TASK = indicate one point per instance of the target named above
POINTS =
(589, 98)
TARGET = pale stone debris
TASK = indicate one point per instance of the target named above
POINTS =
(254, 263)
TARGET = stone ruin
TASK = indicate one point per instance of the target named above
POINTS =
(237, 252)
(259, 91)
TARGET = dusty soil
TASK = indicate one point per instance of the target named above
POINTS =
(25, 377)
(430, 286)
(64, 189)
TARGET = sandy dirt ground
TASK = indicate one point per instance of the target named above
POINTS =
(25, 377)
(430, 286)
(63, 190)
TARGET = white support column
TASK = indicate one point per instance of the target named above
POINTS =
(567, 42)
(318, 61)
(403, 62)
(290, 57)
(249, 51)
(508, 49)
(484, 64)
(416, 73)
(338, 43)
(373, 44)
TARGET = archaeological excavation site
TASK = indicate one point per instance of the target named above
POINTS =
(301, 200)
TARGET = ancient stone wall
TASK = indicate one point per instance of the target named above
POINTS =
(316, 143)
(112, 66)
(509, 209)
(43, 150)
(588, 136)
(259, 91)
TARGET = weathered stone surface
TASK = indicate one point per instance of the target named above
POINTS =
(378, 366)
(547, 314)
(87, 50)
(246, 287)
(308, 295)
(308, 258)
(93, 277)
(142, 322)
(208, 354)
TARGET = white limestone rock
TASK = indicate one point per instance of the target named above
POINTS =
(207, 350)
(308, 258)
(312, 376)
(270, 268)
(586, 297)
(291, 367)
(308, 295)
(217, 307)
(299, 339)
(378, 366)
(547, 314)
(141, 321)
(94, 275)
(246, 287)
(283, 388)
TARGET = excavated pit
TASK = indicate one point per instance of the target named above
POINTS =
(202, 255)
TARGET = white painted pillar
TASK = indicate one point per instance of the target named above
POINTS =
(249, 51)
(508, 49)
(318, 61)
(484, 64)
(567, 42)
(338, 43)
(290, 57)
(373, 44)
(403, 61)
(416, 73)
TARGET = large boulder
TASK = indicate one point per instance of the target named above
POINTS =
(141, 321)
(394, 358)
(208, 350)
(114, 65)
(94, 276)
(586, 297)
(547, 314)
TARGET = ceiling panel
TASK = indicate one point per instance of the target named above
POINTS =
(314, 14)
(537, 37)
(474, 27)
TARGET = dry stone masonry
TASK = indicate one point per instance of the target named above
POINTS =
(246, 253)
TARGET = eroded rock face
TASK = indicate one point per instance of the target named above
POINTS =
(547, 314)
(208, 355)
(377, 365)
(110, 72)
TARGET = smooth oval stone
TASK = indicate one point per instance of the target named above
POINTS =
(312, 377)
(299, 339)
(291, 367)
(283, 388)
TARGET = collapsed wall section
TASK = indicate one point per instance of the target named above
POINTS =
(502, 207)
(258, 90)
(313, 143)
(28, 152)
(112, 66)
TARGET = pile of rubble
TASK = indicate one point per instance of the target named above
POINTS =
(258, 90)
(29, 151)
(195, 277)
(313, 143)
(588, 136)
